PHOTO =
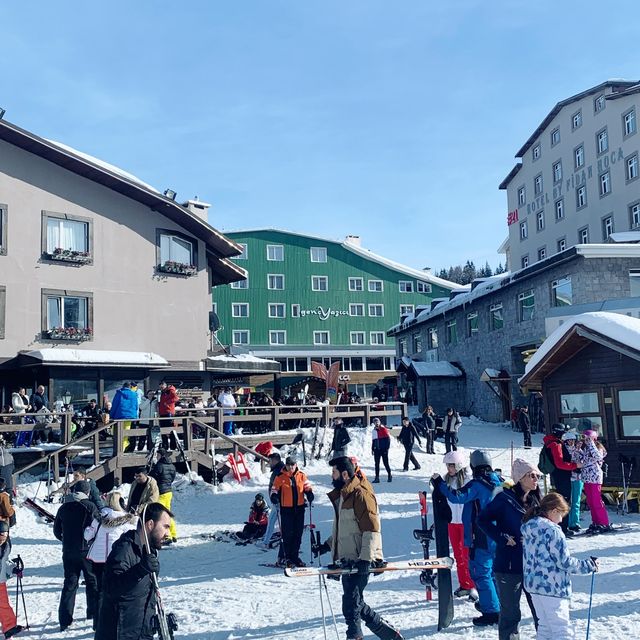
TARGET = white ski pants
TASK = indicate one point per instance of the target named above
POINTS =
(553, 614)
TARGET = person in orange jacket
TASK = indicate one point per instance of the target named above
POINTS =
(289, 490)
(7, 615)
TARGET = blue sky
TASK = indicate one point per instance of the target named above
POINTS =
(395, 121)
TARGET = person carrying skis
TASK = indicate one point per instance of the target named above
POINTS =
(289, 491)
(164, 473)
(8, 620)
(475, 495)
(570, 441)
(408, 435)
(451, 425)
(128, 602)
(355, 540)
(501, 520)
(456, 477)
(256, 525)
(380, 443)
(592, 455)
(548, 566)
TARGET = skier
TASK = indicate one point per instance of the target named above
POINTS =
(592, 455)
(548, 565)
(456, 477)
(380, 443)
(289, 490)
(276, 465)
(8, 620)
(408, 435)
(164, 473)
(356, 539)
(128, 595)
(451, 425)
(258, 516)
(475, 495)
(501, 520)
(570, 441)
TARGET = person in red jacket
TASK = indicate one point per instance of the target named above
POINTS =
(256, 526)
(380, 443)
(167, 408)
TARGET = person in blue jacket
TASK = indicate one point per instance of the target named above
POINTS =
(125, 407)
(501, 520)
(475, 495)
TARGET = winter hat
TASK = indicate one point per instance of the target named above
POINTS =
(520, 468)
(290, 460)
(82, 486)
(569, 435)
(455, 457)
(259, 497)
(344, 464)
(480, 458)
(590, 433)
(4, 526)
(558, 429)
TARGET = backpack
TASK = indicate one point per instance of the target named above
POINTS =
(545, 462)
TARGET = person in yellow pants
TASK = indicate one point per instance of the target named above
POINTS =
(164, 473)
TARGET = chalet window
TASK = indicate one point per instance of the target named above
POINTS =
(318, 254)
(580, 411)
(405, 286)
(176, 254)
(402, 347)
(67, 315)
(555, 137)
(423, 287)
(417, 343)
(432, 338)
(472, 323)
(275, 253)
(452, 332)
(406, 309)
(66, 238)
(526, 305)
(356, 284)
(561, 292)
(629, 413)
(3, 229)
(496, 317)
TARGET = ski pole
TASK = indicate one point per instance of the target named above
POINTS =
(20, 589)
(324, 583)
(593, 577)
(317, 537)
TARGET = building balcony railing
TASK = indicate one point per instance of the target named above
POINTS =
(177, 268)
(68, 255)
(68, 333)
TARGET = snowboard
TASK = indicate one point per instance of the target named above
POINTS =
(425, 536)
(441, 516)
(400, 565)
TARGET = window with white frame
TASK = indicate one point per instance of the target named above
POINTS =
(578, 156)
(318, 254)
(524, 230)
(557, 171)
(3, 229)
(629, 122)
(559, 208)
(423, 287)
(319, 283)
(277, 310)
(581, 197)
(561, 292)
(295, 310)
(240, 336)
(537, 184)
(576, 120)
(67, 315)
(583, 235)
(526, 305)
(357, 337)
(405, 286)
(555, 137)
(275, 281)
(634, 215)
(472, 323)
(535, 152)
(240, 310)
(376, 310)
(432, 337)
(522, 195)
(376, 337)
(245, 252)
(542, 253)
(602, 141)
(451, 332)
(605, 183)
(562, 245)
(540, 220)
(632, 167)
(599, 103)
(277, 336)
(496, 317)
(240, 284)
(607, 227)
(356, 284)
(406, 309)
(65, 234)
(375, 286)
(321, 337)
(275, 252)
(356, 309)
(524, 261)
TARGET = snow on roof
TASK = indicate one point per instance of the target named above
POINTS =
(618, 327)
(241, 357)
(89, 356)
(625, 236)
(104, 165)
(436, 369)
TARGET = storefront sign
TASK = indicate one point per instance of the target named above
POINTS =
(322, 313)
(512, 217)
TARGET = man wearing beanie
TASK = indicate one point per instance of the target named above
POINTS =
(355, 539)
(76, 513)
(501, 520)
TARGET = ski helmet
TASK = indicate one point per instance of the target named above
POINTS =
(558, 429)
(480, 458)
(569, 435)
(590, 433)
(455, 457)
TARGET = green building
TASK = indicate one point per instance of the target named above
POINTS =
(308, 298)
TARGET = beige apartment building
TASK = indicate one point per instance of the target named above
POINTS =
(102, 278)
(576, 181)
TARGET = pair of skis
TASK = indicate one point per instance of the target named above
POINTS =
(400, 565)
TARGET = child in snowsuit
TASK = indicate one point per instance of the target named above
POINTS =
(256, 526)
(548, 565)
(592, 456)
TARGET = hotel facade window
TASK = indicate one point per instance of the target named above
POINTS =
(602, 141)
(631, 167)
(522, 195)
(555, 137)
(321, 337)
(496, 317)
(559, 208)
(405, 286)
(605, 183)
(275, 253)
(240, 310)
(357, 337)
(561, 292)
(432, 337)
(542, 253)
(583, 235)
(576, 120)
(275, 281)
(599, 103)
(277, 337)
(581, 197)
(537, 185)
(240, 336)
(376, 337)
(406, 309)
(629, 122)
(634, 215)
(72, 234)
(416, 343)
(423, 287)
(318, 254)
(244, 255)
(295, 310)
(240, 284)
(319, 283)
(557, 171)
(524, 231)
(578, 156)
(375, 286)
(535, 152)
(67, 315)
(356, 284)
(376, 310)
(526, 306)
(607, 227)
(472, 323)
(540, 220)
(277, 310)
(562, 244)
(356, 309)
(524, 262)
(452, 332)
(3, 229)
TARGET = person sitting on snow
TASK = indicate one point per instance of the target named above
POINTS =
(256, 525)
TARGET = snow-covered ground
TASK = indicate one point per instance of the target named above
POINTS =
(220, 591)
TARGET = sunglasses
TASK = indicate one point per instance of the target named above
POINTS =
(534, 476)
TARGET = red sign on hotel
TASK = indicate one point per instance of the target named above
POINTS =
(512, 217)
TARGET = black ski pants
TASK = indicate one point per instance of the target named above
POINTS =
(292, 526)
(384, 456)
(509, 593)
(408, 455)
(429, 436)
(527, 437)
(354, 609)
(561, 481)
(450, 441)
(75, 564)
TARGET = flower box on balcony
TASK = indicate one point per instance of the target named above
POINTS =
(68, 255)
(69, 333)
(178, 268)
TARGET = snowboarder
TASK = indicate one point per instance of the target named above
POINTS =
(164, 473)
(548, 566)
(256, 525)
(451, 425)
(289, 491)
(8, 620)
(356, 539)
(128, 599)
(456, 477)
(475, 495)
(592, 456)
(501, 520)
(380, 443)
(408, 435)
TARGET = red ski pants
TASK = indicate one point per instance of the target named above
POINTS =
(461, 554)
(7, 616)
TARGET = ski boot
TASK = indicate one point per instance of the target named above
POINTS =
(384, 630)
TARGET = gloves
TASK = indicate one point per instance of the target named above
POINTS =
(149, 563)
(275, 498)
(320, 549)
(363, 567)
(17, 572)
(310, 496)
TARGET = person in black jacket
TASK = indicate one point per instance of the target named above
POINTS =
(341, 439)
(72, 518)
(408, 436)
(128, 599)
(525, 426)
(164, 473)
(501, 520)
(429, 428)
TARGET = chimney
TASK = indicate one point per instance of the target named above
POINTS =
(198, 207)
(354, 240)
